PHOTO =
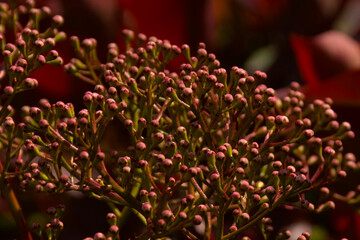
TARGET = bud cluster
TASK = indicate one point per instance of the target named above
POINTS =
(30, 48)
(203, 142)
(221, 141)
(52, 229)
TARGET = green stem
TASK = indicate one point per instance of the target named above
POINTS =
(4, 107)
(5, 168)
(220, 222)
(189, 234)
(259, 216)
(127, 210)
(207, 234)
(92, 72)
(252, 222)
(245, 126)
(117, 188)
(85, 78)
(140, 216)
(55, 134)
(202, 194)
(15, 208)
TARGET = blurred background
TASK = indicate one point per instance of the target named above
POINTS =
(313, 42)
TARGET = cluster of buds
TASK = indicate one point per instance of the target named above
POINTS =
(112, 233)
(30, 50)
(53, 228)
(24, 48)
(203, 142)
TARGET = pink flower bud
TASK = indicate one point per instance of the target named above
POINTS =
(146, 207)
(197, 219)
(166, 214)
(99, 236)
(140, 146)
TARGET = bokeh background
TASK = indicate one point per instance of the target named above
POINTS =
(313, 42)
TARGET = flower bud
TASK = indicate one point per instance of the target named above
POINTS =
(197, 219)
(30, 83)
(113, 229)
(84, 156)
(220, 156)
(63, 178)
(167, 163)
(9, 124)
(341, 174)
(152, 195)
(244, 162)
(126, 169)
(281, 120)
(140, 146)
(50, 187)
(43, 123)
(146, 207)
(188, 92)
(306, 236)
(235, 196)
(270, 192)
(244, 185)
(8, 90)
(99, 236)
(214, 177)
(228, 98)
(57, 21)
(245, 217)
(183, 215)
(326, 206)
(167, 214)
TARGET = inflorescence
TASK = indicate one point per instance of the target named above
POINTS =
(203, 142)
